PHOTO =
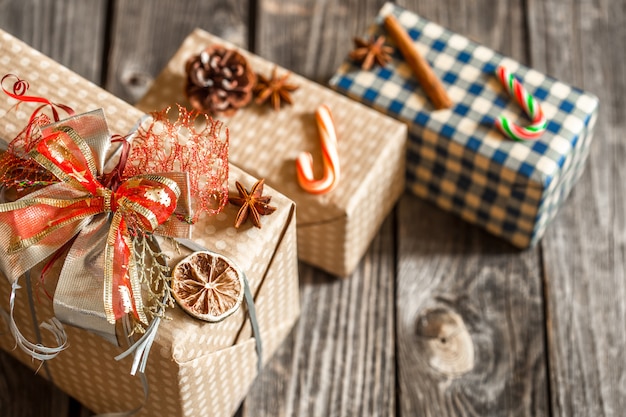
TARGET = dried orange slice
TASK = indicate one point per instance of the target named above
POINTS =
(208, 286)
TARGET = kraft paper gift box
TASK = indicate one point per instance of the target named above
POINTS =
(195, 368)
(335, 229)
(455, 157)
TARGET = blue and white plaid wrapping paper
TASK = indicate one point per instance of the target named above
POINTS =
(456, 157)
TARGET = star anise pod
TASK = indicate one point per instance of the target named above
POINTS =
(275, 88)
(219, 81)
(253, 204)
(371, 51)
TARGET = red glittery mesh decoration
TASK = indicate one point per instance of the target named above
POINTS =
(193, 143)
(17, 169)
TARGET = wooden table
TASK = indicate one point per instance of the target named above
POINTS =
(440, 318)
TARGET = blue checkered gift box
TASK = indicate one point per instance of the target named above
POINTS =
(456, 157)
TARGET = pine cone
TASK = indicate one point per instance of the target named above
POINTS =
(219, 81)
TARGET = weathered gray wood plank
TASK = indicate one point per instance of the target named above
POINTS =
(340, 358)
(584, 249)
(470, 325)
(469, 320)
(144, 37)
(71, 32)
(19, 386)
(311, 37)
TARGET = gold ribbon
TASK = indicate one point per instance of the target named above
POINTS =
(41, 223)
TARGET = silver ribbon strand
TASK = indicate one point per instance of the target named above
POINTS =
(33, 313)
(35, 350)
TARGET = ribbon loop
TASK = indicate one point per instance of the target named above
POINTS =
(18, 92)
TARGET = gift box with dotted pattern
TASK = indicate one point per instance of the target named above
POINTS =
(334, 229)
(195, 368)
(455, 157)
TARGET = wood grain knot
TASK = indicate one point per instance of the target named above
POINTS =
(136, 82)
(447, 342)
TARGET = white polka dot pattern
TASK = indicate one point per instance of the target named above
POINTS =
(195, 368)
(334, 229)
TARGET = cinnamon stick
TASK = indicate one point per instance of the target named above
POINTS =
(422, 70)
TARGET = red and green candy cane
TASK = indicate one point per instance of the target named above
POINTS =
(531, 107)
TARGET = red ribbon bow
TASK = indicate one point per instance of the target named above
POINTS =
(54, 215)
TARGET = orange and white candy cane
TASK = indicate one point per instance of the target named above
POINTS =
(330, 155)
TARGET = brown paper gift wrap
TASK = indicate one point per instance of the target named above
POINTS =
(195, 368)
(335, 229)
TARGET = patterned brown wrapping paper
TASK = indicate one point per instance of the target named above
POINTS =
(195, 368)
(335, 229)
